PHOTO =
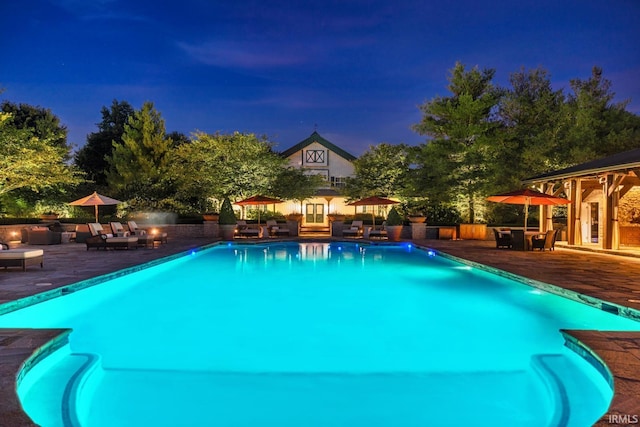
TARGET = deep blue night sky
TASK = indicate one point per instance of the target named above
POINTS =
(357, 69)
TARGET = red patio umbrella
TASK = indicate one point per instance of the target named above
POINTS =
(258, 200)
(526, 197)
(373, 201)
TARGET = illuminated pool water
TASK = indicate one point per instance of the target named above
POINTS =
(314, 334)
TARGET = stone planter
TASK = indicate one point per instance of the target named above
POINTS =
(227, 231)
(417, 219)
(418, 231)
(210, 217)
(472, 231)
(394, 232)
(447, 232)
(295, 217)
(49, 217)
(336, 217)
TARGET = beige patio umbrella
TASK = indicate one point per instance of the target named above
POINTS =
(95, 200)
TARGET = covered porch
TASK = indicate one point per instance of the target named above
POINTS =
(605, 201)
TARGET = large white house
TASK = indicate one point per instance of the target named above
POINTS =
(315, 155)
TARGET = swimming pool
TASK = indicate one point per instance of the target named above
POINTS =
(314, 334)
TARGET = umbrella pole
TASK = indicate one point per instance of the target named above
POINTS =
(526, 214)
(96, 209)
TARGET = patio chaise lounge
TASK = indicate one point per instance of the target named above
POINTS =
(99, 239)
(20, 257)
(144, 239)
(245, 230)
(276, 230)
(136, 231)
(379, 233)
(354, 231)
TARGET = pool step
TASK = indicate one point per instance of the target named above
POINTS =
(578, 399)
(51, 399)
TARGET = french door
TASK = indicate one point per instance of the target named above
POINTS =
(314, 213)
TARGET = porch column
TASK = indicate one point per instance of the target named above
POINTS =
(545, 222)
(611, 195)
(574, 228)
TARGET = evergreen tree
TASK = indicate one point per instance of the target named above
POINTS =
(92, 157)
(139, 166)
(597, 126)
(461, 129)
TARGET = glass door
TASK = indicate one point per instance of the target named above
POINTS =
(314, 213)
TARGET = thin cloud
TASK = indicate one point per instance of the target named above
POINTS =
(243, 54)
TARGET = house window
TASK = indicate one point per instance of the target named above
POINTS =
(314, 156)
(338, 181)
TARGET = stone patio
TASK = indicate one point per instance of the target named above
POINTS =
(607, 277)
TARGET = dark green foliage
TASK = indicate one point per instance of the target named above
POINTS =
(227, 217)
(394, 218)
(92, 157)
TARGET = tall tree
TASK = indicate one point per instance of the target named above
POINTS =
(92, 157)
(41, 121)
(27, 161)
(226, 165)
(293, 184)
(380, 171)
(598, 127)
(141, 162)
(461, 128)
(534, 125)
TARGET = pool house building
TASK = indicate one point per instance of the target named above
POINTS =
(316, 155)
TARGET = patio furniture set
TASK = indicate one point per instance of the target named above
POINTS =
(524, 240)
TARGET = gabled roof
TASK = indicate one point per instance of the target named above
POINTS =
(625, 160)
(315, 137)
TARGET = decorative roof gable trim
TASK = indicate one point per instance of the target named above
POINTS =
(315, 137)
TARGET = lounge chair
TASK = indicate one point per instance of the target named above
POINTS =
(379, 233)
(546, 242)
(20, 257)
(99, 239)
(503, 238)
(136, 231)
(354, 231)
(144, 239)
(245, 230)
(276, 230)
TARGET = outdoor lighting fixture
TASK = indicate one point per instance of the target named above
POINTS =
(154, 231)
(431, 253)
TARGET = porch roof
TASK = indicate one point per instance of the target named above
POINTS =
(625, 161)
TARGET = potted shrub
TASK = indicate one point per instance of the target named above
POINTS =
(394, 225)
(211, 216)
(295, 216)
(49, 216)
(336, 217)
(227, 220)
